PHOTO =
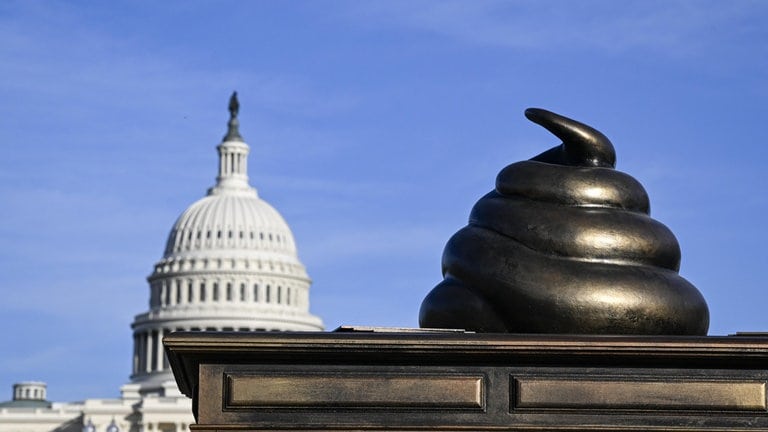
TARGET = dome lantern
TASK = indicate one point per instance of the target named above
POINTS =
(233, 157)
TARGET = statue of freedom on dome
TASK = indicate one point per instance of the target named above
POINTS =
(234, 105)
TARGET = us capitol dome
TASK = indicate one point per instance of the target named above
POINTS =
(230, 264)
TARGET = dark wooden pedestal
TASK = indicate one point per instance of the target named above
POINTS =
(414, 381)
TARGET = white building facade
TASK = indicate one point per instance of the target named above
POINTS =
(230, 264)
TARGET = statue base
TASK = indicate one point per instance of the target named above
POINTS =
(416, 380)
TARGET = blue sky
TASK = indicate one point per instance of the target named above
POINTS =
(374, 127)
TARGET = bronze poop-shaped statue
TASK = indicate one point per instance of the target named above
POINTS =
(565, 244)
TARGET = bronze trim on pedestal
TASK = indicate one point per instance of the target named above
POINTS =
(340, 390)
(668, 395)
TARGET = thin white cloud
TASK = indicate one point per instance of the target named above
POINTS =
(81, 300)
(54, 57)
(44, 359)
(392, 240)
(670, 26)
(330, 187)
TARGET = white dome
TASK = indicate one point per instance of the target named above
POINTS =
(237, 223)
(230, 263)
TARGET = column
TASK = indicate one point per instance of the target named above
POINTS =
(221, 163)
(183, 291)
(174, 287)
(135, 364)
(152, 294)
(160, 351)
(142, 354)
(148, 352)
(166, 365)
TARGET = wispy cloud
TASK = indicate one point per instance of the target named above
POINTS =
(335, 188)
(604, 25)
(56, 57)
(52, 355)
(394, 241)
